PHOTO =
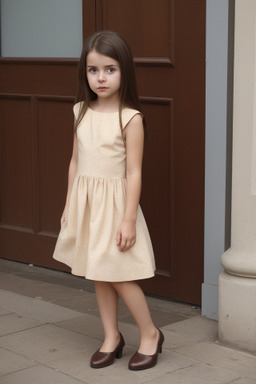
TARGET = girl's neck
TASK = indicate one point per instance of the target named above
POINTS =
(101, 105)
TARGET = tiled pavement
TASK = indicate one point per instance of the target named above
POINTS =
(50, 326)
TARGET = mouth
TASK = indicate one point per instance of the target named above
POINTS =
(102, 88)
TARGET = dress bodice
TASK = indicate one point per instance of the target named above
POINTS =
(101, 148)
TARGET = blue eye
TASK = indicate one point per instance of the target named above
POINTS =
(92, 70)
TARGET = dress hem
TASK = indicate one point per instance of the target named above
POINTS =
(133, 278)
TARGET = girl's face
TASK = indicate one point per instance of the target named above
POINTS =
(104, 75)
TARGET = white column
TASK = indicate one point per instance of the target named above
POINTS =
(237, 285)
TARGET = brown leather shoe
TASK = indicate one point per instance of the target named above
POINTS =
(139, 361)
(103, 359)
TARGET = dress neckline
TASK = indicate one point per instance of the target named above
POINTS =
(106, 113)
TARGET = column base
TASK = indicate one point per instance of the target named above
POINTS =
(237, 312)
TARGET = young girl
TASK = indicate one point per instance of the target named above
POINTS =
(103, 235)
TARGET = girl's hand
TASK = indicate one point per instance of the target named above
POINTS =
(126, 235)
(64, 216)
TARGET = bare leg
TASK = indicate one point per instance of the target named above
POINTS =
(107, 299)
(135, 301)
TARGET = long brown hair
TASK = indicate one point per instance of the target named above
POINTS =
(111, 44)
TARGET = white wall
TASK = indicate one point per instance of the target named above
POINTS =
(41, 28)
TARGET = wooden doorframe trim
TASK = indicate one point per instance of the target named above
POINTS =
(89, 27)
(39, 60)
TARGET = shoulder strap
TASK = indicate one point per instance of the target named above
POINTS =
(128, 114)
(76, 109)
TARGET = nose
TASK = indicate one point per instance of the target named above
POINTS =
(101, 76)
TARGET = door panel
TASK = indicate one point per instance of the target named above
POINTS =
(157, 191)
(139, 21)
(16, 192)
(55, 138)
(36, 144)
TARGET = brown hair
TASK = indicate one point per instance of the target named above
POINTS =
(111, 44)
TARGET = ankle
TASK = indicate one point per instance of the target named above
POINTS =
(110, 342)
(151, 333)
(114, 335)
(155, 333)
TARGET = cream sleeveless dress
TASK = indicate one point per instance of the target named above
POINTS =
(87, 240)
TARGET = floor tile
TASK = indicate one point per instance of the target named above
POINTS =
(11, 362)
(244, 364)
(4, 311)
(76, 299)
(164, 305)
(86, 325)
(197, 374)
(35, 308)
(31, 272)
(173, 340)
(38, 375)
(243, 381)
(14, 323)
(198, 327)
(159, 318)
(46, 343)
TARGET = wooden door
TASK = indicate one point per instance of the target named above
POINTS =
(167, 38)
(168, 42)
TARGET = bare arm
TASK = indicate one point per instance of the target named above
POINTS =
(134, 135)
(71, 176)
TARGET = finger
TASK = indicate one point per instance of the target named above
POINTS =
(131, 243)
(118, 238)
(122, 244)
(128, 244)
